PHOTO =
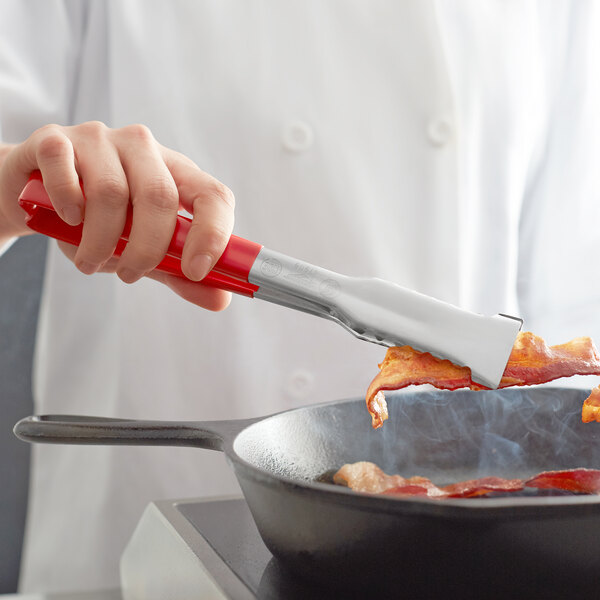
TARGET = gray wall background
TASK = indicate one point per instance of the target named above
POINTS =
(21, 271)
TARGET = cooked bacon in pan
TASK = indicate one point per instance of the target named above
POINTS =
(531, 362)
(368, 477)
(463, 489)
(480, 487)
(583, 481)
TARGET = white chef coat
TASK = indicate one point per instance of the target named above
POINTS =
(449, 146)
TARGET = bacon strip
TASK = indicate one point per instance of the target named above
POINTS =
(585, 481)
(409, 490)
(368, 477)
(531, 362)
(590, 410)
(480, 487)
(462, 489)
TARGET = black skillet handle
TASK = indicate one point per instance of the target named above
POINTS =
(71, 429)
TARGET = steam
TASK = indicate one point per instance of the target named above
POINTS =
(497, 452)
(445, 436)
(506, 433)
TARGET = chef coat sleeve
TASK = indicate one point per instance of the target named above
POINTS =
(559, 270)
(39, 50)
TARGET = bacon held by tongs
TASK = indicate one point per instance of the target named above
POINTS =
(590, 410)
(531, 362)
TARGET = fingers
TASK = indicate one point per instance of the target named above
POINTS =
(155, 202)
(110, 266)
(55, 158)
(106, 193)
(212, 205)
(51, 151)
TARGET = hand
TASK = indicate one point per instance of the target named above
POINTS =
(119, 167)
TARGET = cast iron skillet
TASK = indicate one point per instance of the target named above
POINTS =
(329, 533)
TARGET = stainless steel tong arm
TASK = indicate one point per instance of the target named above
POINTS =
(388, 314)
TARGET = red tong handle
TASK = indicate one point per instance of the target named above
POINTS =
(230, 273)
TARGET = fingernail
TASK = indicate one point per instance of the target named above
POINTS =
(200, 266)
(87, 267)
(72, 214)
(129, 275)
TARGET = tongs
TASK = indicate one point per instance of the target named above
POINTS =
(371, 309)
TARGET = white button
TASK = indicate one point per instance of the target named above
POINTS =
(439, 131)
(297, 136)
(300, 383)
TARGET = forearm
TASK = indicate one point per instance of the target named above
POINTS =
(9, 227)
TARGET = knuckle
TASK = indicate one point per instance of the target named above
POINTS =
(215, 239)
(49, 128)
(52, 145)
(94, 252)
(145, 254)
(92, 129)
(222, 193)
(160, 191)
(138, 132)
(112, 189)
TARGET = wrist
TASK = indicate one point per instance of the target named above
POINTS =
(9, 210)
(4, 150)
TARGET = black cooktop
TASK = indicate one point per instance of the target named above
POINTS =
(228, 527)
(240, 555)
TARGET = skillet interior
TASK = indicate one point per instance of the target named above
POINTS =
(446, 436)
